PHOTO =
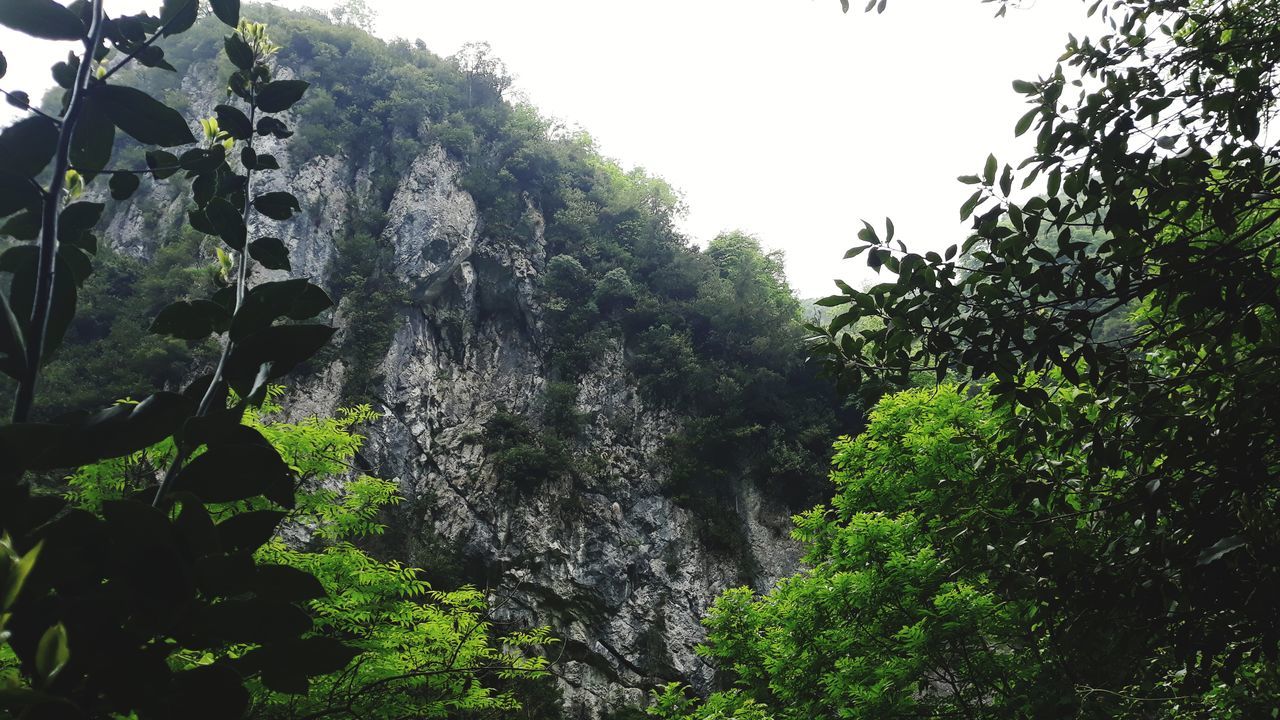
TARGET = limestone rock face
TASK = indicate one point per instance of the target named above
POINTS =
(613, 565)
(431, 224)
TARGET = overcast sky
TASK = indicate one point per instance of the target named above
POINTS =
(783, 118)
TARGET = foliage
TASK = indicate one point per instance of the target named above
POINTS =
(108, 352)
(524, 455)
(149, 609)
(418, 652)
(925, 593)
(1164, 434)
(672, 702)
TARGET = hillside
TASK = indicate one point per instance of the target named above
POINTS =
(594, 418)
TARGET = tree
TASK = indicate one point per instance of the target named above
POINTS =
(101, 607)
(356, 13)
(1153, 135)
(931, 591)
(487, 75)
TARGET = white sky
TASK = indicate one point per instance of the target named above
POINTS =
(783, 118)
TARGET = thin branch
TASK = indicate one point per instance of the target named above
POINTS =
(136, 51)
(242, 280)
(45, 268)
(32, 108)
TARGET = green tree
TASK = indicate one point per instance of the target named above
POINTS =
(1152, 134)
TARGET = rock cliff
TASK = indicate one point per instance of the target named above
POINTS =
(618, 568)
(606, 558)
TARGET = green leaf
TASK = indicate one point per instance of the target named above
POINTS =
(77, 219)
(1024, 123)
(280, 95)
(23, 226)
(274, 127)
(23, 261)
(248, 531)
(162, 164)
(281, 582)
(17, 192)
(232, 121)
(228, 222)
(1024, 87)
(196, 530)
(238, 51)
(266, 162)
(270, 253)
(12, 583)
(124, 185)
(832, 301)
(28, 145)
(146, 119)
(191, 320)
(41, 18)
(1220, 549)
(296, 299)
(989, 170)
(284, 346)
(969, 205)
(116, 431)
(228, 11)
(52, 653)
(277, 205)
(179, 15)
(229, 473)
(93, 140)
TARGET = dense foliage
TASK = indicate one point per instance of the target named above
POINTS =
(422, 653)
(154, 604)
(1089, 530)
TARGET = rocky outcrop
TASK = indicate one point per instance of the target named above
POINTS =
(613, 565)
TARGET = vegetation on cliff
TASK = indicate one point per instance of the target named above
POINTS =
(1075, 516)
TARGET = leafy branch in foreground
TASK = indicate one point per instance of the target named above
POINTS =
(416, 652)
(1159, 216)
(118, 595)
